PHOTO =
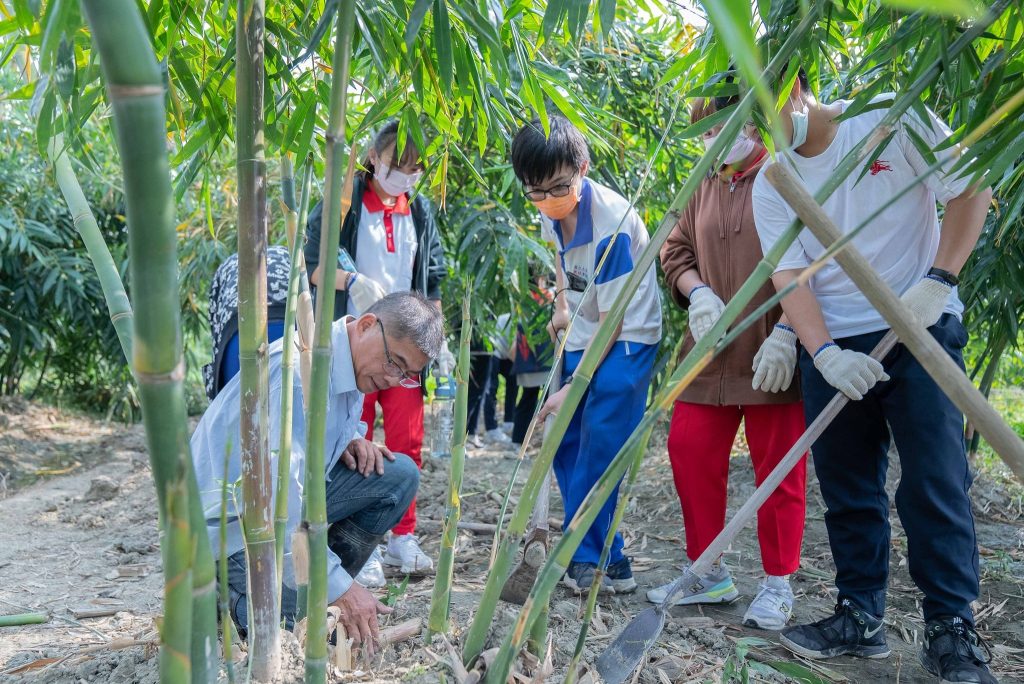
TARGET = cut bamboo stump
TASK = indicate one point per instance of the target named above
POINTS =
(917, 339)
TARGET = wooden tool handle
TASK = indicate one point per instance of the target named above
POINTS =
(960, 390)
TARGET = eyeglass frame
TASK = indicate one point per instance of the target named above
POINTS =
(550, 192)
(393, 369)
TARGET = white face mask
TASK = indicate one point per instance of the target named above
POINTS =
(393, 181)
(799, 128)
(740, 150)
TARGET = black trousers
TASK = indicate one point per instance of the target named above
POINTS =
(851, 461)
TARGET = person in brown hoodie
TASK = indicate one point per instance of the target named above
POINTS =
(710, 253)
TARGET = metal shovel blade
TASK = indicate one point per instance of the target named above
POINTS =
(624, 655)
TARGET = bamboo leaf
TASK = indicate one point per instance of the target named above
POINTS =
(443, 44)
(948, 8)
(416, 17)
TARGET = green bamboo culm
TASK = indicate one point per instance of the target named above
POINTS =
(620, 513)
(334, 199)
(136, 93)
(22, 619)
(119, 307)
(440, 602)
(257, 482)
(506, 545)
(226, 623)
(284, 451)
(177, 538)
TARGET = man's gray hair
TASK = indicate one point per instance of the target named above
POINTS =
(411, 316)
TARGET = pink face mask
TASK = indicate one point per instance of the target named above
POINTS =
(395, 182)
(739, 151)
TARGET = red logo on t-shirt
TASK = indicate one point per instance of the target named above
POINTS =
(880, 165)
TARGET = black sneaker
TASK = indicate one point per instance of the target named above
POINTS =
(579, 576)
(954, 652)
(619, 577)
(850, 631)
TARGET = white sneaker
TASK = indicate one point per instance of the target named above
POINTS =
(507, 428)
(372, 574)
(715, 587)
(496, 436)
(773, 605)
(404, 551)
(474, 442)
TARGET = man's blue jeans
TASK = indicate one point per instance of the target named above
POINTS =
(360, 511)
(851, 460)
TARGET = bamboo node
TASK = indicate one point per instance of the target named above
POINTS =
(175, 375)
(118, 91)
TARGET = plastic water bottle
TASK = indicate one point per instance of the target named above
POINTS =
(444, 418)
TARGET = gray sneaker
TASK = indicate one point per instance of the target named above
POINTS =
(714, 587)
(772, 607)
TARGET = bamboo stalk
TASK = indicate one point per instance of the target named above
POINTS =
(22, 619)
(136, 92)
(116, 298)
(505, 545)
(287, 363)
(176, 627)
(257, 482)
(336, 200)
(595, 585)
(917, 339)
(224, 608)
(440, 602)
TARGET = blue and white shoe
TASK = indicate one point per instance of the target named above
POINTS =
(714, 587)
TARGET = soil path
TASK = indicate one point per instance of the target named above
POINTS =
(86, 539)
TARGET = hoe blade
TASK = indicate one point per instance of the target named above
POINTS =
(627, 651)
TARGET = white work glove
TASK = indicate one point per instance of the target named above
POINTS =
(927, 299)
(775, 361)
(850, 372)
(365, 292)
(445, 361)
(705, 309)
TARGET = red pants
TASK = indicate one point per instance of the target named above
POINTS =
(403, 432)
(699, 441)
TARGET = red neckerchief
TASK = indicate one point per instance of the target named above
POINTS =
(734, 178)
(372, 202)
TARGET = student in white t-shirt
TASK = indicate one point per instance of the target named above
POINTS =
(589, 222)
(838, 329)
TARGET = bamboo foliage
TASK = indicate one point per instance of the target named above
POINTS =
(135, 90)
(440, 602)
(337, 199)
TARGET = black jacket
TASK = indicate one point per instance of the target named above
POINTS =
(428, 267)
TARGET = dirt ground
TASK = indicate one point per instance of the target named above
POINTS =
(83, 537)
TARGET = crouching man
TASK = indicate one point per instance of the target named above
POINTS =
(368, 487)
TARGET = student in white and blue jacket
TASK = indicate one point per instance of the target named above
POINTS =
(589, 222)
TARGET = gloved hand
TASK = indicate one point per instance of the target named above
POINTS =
(365, 292)
(775, 361)
(927, 299)
(445, 361)
(705, 309)
(850, 372)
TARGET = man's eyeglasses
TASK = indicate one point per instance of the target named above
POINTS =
(409, 380)
(560, 190)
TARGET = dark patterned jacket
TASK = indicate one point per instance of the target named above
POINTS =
(224, 307)
(428, 268)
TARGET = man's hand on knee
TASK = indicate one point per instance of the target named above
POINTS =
(359, 610)
(366, 457)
